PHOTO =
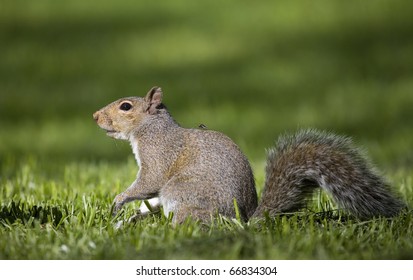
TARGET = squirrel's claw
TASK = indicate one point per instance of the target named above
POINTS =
(117, 204)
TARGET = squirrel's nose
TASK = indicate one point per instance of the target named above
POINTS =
(96, 116)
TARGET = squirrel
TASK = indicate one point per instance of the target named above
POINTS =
(201, 173)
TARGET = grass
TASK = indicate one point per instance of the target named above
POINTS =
(252, 71)
(68, 217)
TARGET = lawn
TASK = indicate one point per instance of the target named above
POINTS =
(253, 70)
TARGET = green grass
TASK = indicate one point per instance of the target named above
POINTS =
(67, 216)
(250, 70)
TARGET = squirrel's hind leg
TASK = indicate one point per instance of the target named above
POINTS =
(183, 213)
(187, 199)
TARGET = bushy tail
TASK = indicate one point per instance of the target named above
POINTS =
(308, 159)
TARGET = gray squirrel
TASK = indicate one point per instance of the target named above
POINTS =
(201, 173)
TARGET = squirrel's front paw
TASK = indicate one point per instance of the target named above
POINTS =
(117, 204)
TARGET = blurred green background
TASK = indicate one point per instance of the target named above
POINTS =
(251, 69)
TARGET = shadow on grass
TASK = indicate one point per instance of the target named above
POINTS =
(20, 211)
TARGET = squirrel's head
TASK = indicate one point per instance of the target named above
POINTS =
(121, 117)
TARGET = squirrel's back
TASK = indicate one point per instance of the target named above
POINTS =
(308, 159)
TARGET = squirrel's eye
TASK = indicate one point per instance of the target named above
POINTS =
(125, 106)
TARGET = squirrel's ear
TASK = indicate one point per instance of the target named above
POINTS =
(153, 99)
